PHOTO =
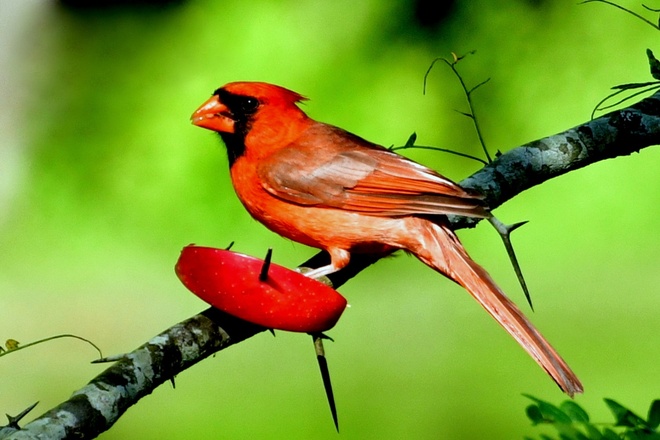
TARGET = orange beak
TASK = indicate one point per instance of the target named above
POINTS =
(213, 115)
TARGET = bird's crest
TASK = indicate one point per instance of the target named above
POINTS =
(264, 92)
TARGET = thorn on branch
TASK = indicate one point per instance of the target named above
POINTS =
(505, 233)
(318, 338)
(13, 420)
(263, 275)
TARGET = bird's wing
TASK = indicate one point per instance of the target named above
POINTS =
(329, 167)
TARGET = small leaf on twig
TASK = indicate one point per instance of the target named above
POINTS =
(654, 64)
(11, 344)
(411, 140)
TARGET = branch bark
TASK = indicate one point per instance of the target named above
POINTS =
(96, 407)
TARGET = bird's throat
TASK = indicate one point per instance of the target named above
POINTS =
(235, 143)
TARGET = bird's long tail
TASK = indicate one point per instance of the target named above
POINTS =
(442, 251)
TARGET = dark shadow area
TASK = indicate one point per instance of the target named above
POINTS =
(85, 5)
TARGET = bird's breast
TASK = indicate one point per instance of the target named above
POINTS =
(314, 226)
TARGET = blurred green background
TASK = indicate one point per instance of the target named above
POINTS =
(103, 180)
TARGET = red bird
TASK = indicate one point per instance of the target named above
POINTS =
(327, 188)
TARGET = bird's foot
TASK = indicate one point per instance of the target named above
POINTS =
(315, 274)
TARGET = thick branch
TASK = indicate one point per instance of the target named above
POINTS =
(96, 407)
(619, 133)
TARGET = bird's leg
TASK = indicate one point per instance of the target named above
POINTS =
(319, 272)
(339, 259)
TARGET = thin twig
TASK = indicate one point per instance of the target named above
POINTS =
(468, 95)
(655, 26)
(443, 150)
(24, 346)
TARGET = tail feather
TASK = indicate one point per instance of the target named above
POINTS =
(442, 251)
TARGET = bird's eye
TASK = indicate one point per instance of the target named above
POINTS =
(240, 106)
(249, 105)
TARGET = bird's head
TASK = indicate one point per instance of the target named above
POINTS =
(251, 116)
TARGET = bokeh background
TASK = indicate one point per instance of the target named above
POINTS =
(103, 180)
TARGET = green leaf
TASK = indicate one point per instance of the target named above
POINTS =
(573, 434)
(654, 64)
(654, 414)
(411, 140)
(592, 432)
(534, 414)
(574, 411)
(640, 434)
(12, 344)
(608, 434)
(550, 412)
(624, 416)
(570, 431)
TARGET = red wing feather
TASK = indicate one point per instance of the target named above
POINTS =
(347, 172)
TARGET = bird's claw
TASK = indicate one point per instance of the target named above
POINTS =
(321, 279)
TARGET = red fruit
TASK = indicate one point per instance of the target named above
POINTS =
(285, 300)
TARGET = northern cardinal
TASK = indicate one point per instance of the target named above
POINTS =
(327, 188)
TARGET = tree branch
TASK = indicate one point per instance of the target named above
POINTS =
(96, 407)
(619, 133)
